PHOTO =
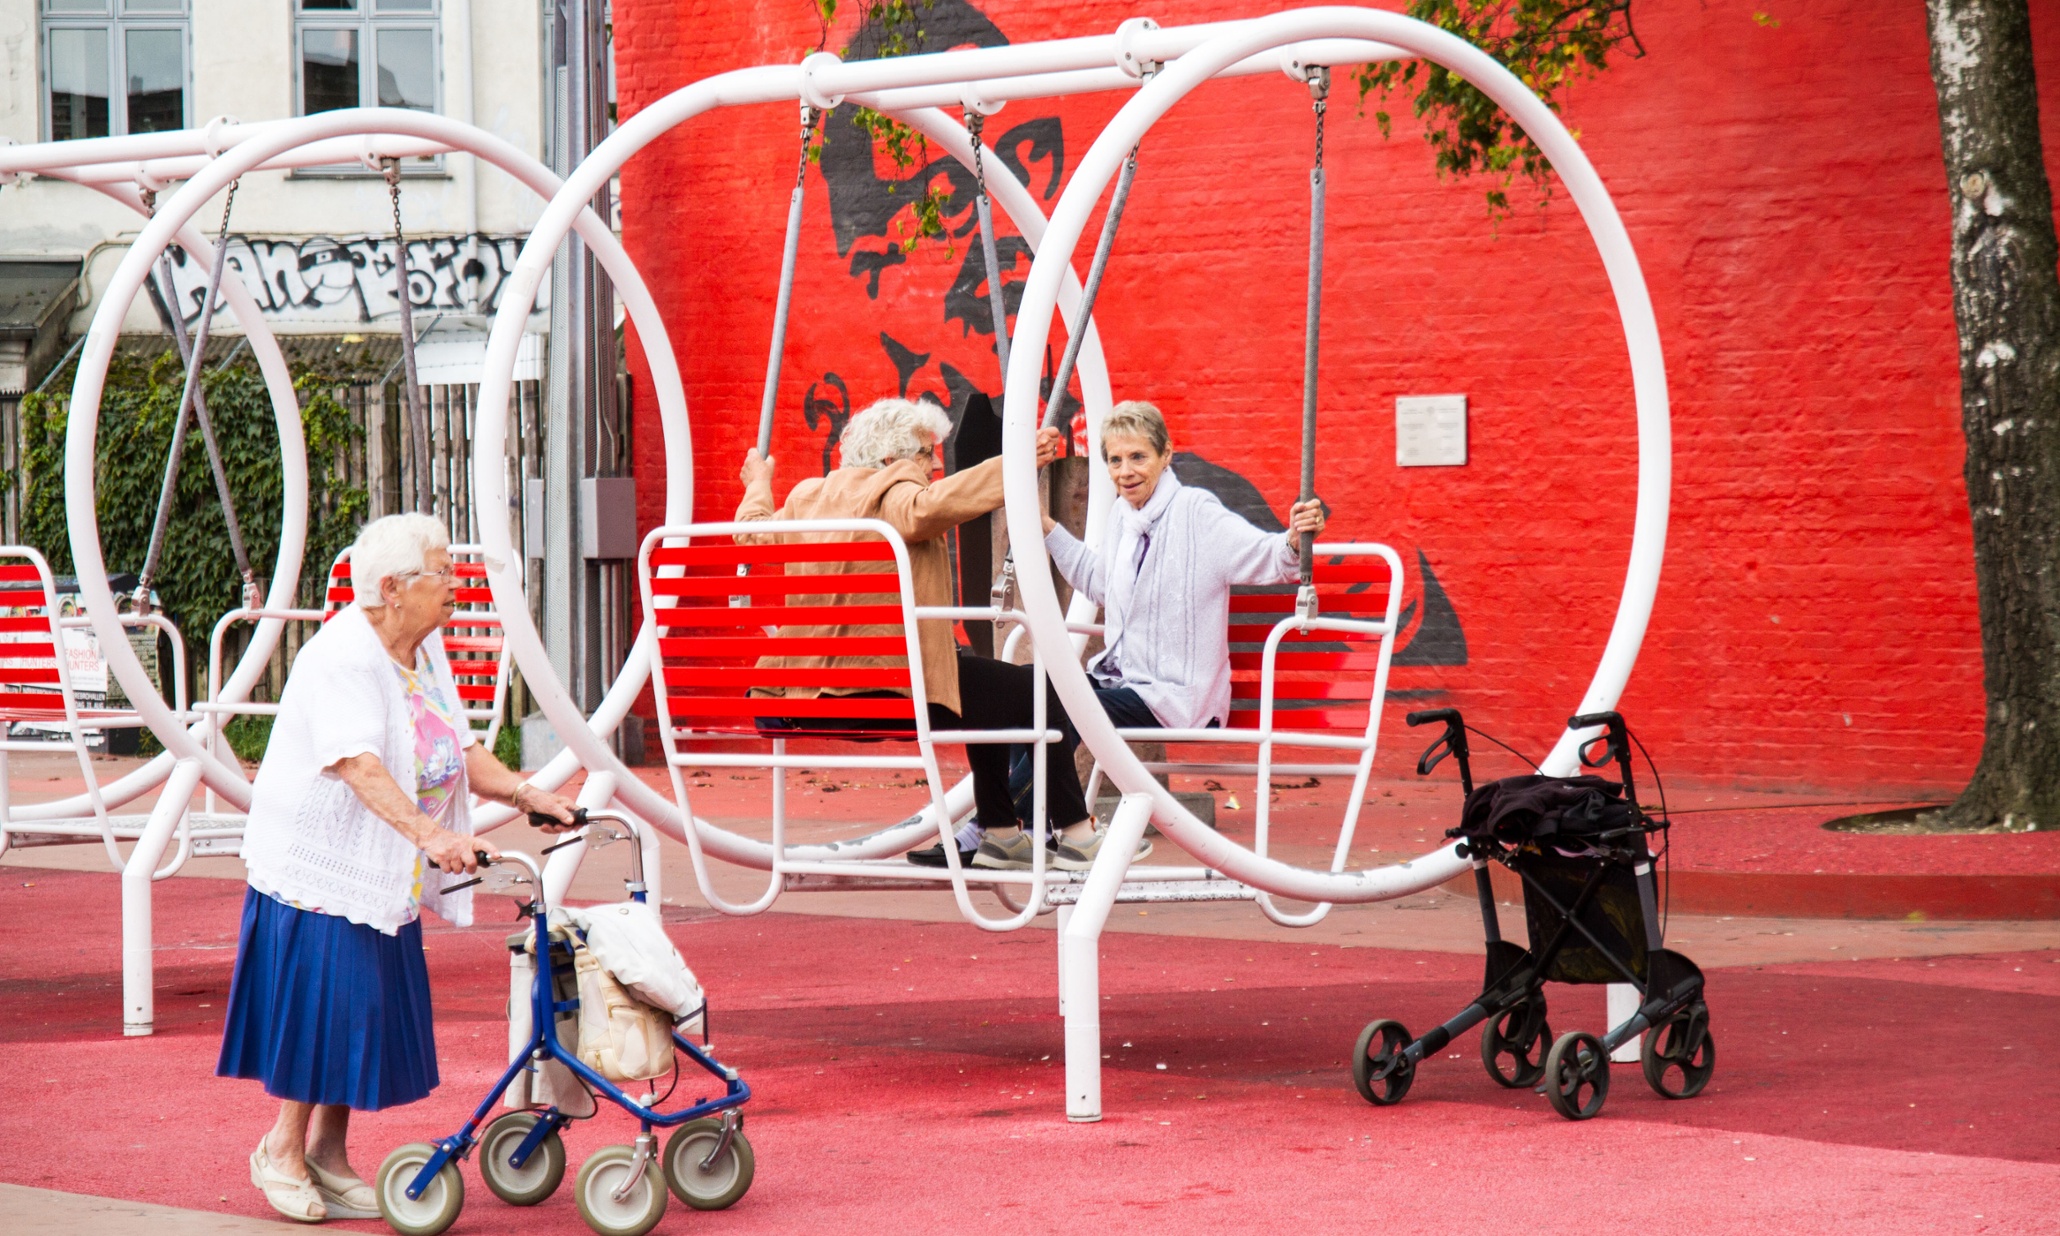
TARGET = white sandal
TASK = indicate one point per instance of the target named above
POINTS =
(345, 1197)
(296, 1199)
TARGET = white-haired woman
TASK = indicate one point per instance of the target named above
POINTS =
(1162, 573)
(888, 453)
(360, 800)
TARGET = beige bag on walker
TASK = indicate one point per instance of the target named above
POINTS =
(549, 1083)
(620, 1037)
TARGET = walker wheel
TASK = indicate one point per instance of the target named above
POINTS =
(439, 1204)
(721, 1183)
(1514, 1043)
(1577, 1075)
(1379, 1068)
(537, 1178)
(1680, 1053)
(600, 1176)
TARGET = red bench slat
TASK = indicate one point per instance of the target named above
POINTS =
(789, 551)
(1310, 719)
(734, 647)
(748, 676)
(767, 706)
(828, 583)
(1350, 689)
(1304, 661)
(705, 617)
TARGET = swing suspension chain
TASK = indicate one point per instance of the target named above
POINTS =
(411, 395)
(191, 397)
(1319, 95)
(996, 303)
(1090, 292)
(783, 302)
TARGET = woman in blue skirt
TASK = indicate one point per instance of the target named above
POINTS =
(360, 801)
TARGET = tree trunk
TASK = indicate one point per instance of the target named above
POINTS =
(2006, 301)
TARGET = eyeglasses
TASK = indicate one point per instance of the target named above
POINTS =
(449, 572)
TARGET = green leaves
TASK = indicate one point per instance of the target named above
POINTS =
(1548, 44)
(197, 577)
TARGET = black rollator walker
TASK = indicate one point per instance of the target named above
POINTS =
(1580, 846)
(621, 1190)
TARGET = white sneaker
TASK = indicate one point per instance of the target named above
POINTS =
(1074, 856)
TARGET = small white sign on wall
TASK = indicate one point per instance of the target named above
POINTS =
(1430, 431)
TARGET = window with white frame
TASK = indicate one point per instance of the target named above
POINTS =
(366, 53)
(112, 67)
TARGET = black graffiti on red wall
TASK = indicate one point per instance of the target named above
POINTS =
(352, 278)
(864, 208)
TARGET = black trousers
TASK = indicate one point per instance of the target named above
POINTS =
(993, 695)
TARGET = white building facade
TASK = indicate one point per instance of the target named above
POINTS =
(315, 246)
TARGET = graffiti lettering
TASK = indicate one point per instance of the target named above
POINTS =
(350, 281)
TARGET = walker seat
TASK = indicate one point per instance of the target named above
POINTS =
(1581, 847)
(621, 1190)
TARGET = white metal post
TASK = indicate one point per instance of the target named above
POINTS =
(139, 1006)
(1623, 1001)
(1080, 957)
(1065, 913)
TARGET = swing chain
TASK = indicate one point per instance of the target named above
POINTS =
(975, 122)
(809, 116)
(1319, 99)
(391, 169)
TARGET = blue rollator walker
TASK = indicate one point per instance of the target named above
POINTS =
(620, 1190)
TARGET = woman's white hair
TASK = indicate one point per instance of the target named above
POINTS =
(892, 429)
(392, 545)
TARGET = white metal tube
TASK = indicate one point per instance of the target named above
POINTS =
(583, 739)
(1020, 411)
(138, 967)
(1080, 957)
(122, 288)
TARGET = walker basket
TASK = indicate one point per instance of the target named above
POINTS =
(1613, 914)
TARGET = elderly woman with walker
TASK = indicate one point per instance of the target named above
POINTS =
(362, 793)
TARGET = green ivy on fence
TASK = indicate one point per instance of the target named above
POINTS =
(197, 579)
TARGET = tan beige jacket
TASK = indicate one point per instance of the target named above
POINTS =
(902, 495)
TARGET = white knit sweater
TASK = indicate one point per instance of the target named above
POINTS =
(310, 840)
(1166, 619)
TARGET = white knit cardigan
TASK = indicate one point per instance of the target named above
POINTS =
(310, 840)
(1166, 622)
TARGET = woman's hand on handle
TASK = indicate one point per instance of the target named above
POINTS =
(455, 852)
(756, 468)
(492, 779)
(1306, 517)
(1051, 444)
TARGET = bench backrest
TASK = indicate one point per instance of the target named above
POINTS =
(1323, 680)
(472, 639)
(800, 602)
(32, 672)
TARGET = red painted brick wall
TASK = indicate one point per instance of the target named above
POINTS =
(1782, 182)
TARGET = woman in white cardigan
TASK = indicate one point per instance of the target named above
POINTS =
(360, 801)
(1162, 574)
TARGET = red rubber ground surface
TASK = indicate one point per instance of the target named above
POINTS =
(908, 1078)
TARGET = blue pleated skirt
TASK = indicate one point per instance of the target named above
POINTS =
(324, 1010)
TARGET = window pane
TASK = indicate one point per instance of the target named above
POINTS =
(153, 6)
(407, 69)
(156, 68)
(75, 6)
(328, 70)
(78, 84)
(407, 6)
(325, 6)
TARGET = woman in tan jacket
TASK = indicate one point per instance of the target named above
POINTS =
(888, 454)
